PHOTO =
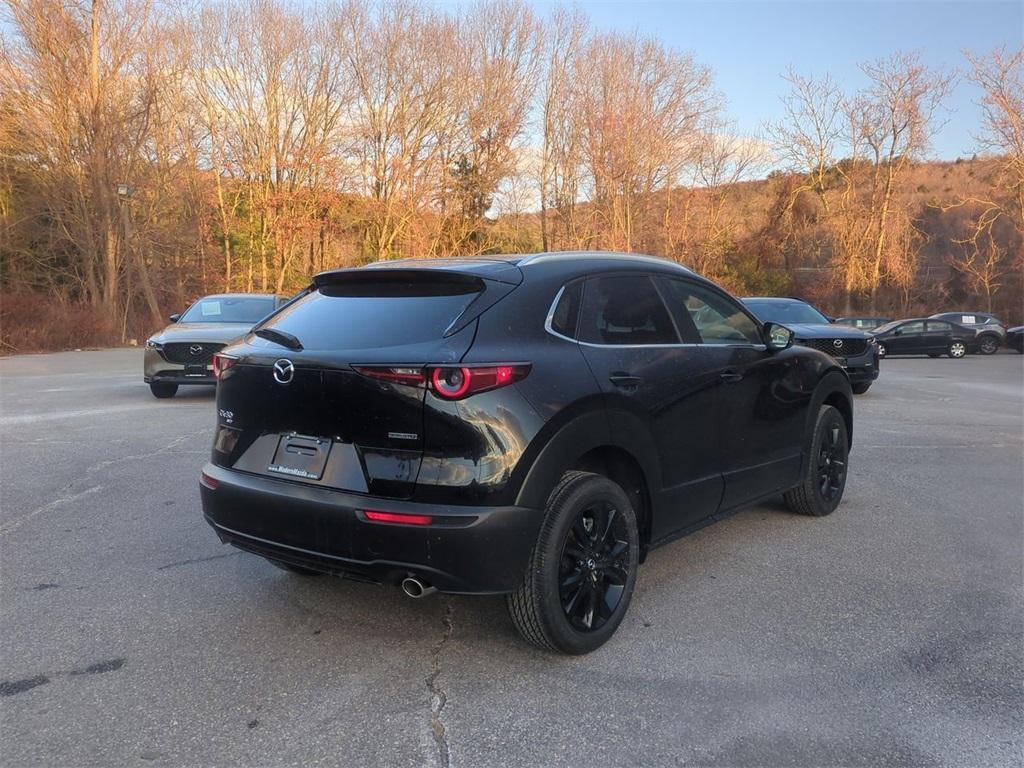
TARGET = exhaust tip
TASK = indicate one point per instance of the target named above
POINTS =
(416, 589)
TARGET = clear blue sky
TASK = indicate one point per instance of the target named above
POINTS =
(749, 45)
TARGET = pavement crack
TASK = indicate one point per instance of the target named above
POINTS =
(438, 696)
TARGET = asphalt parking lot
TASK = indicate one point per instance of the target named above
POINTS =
(887, 634)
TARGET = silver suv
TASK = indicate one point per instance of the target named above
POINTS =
(182, 353)
(991, 333)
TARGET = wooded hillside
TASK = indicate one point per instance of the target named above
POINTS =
(150, 155)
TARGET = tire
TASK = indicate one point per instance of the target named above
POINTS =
(882, 352)
(297, 569)
(821, 490)
(957, 350)
(549, 609)
(988, 344)
(860, 389)
(162, 389)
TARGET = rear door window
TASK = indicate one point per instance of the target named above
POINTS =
(625, 310)
(377, 312)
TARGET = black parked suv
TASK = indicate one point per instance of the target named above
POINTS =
(854, 349)
(527, 425)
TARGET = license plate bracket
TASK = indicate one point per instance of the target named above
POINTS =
(194, 369)
(300, 456)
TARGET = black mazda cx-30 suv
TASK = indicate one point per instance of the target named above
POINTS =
(525, 425)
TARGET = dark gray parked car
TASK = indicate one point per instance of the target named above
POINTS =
(182, 353)
(991, 333)
(855, 350)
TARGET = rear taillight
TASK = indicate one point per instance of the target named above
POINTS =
(396, 518)
(221, 363)
(451, 382)
(454, 383)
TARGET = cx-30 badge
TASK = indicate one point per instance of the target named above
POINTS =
(284, 370)
(837, 343)
(196, 349)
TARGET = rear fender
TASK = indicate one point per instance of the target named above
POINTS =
(580, 435)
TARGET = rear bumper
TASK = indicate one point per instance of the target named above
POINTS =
(471, 550)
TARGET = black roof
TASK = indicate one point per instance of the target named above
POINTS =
(510, 267)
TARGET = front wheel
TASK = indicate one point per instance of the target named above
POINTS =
(162, 389)
(988, 345)
(860, 389)
(581, 575)
(957, 350)
(882, 351)
(821, 489)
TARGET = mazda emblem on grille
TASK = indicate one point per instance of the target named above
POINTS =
(284, 370)
(195, 349)
(837, 343)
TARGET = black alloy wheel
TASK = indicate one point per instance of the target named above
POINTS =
(594, 568)
(824, 481)
(832, 457)
(580, 578)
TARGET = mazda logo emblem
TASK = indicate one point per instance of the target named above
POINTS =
(837, 343)
(284, 370)
(196, 349)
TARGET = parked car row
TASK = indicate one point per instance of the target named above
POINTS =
(988, 332)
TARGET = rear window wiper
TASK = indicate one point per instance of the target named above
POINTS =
(279, 337)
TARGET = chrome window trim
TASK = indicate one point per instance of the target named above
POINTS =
(557, 335)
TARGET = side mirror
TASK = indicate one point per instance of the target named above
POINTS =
(777, 337)
(898, 332)
(175, 317)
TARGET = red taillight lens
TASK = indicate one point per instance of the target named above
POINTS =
(414, 377)
(221, 363)
(395, 517)
(208, 482)
(453, 383)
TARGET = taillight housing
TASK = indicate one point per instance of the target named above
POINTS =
(450, 382)
(221, 363)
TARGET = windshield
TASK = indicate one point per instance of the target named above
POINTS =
(784, 312)
(229, 309)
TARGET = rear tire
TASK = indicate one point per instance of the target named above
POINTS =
(581, 575)
(988, 344)
(860, 389)
(821, 490)
(297, 569)
(957, 350)
(162, 389)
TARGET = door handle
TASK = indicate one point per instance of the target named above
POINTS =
(625, 380)
(731, 377)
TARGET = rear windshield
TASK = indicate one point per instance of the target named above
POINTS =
(229, 309)
(377, 313)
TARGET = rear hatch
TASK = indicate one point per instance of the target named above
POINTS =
(339, 412)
